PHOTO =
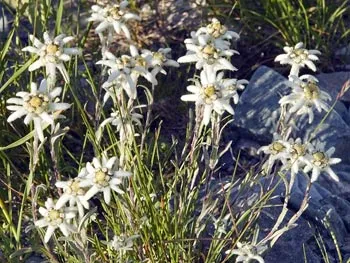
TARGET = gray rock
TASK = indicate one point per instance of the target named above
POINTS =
(259, 110)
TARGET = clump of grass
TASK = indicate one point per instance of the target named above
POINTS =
(96, 182)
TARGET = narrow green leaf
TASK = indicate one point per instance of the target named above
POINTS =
(59, 17)
(17, 73)
(21, 141)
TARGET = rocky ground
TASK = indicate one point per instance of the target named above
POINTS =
(330, 201)
(253, 127)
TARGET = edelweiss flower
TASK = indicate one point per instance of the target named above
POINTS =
(122, 243)
(277, 150)
(298, 57)
(321, 161)
(217, 34)
(102, 175)
(74, 194)
(305, 96)
(52, 54)
(124, 122)
(56, 218)
(157, 60)
(37, 105)
(247, 253)
(113, 17)
(126, 70)
(298, 154)
(233, 85)
(209, 93)
(209, 57)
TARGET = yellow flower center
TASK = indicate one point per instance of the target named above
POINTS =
(209, 50)
(54, 215)
(320, 159)
(210, 53)
(74, 188)
(216, 29)
(140, 61)
(299, 55)
(298, 150)
(159, 56)
(36, 103)
(115, 12)
(101, 177)
(311, 91)
(51, 49)
(125, 61)
(277, 147)
(210, 93)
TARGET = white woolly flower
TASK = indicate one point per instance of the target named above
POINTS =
(298, 57)
(159, 59)
(232, 86)
(56, 218)
(52, 54)
(320, 161)
(126, 70)
(124, 122)
(277, 150)
(298, 154)
(208, 57)
(215, 33)
(122, 243)
(113, 17)
(247, 253)
(38, 105)
(102, 175)
(209, 94)
(73, 194)
(305, 96)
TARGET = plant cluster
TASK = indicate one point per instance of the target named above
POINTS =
(137, 199)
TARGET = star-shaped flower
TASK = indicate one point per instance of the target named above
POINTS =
(277, 151)
(54, 218)
(38, 105)
(321, 161)
(298, 57)
(125, 71)
(52, 54)
(305, 96)
(211, 93)
(113, 17)
(73, 194)
(102, 175)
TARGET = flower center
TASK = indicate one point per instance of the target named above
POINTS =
(54, 214)
(209, 52)
(276, 147)
(115, 12)
(298, 150)
(74, 188)
(55, 217)
(311, 91)
(124, 62)
(299, 55)
(36, 103)
(101, 177)
(210, 93)
(215, 29)
(140, 61)
(51, 49)
(320, 159)
(159, 57)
